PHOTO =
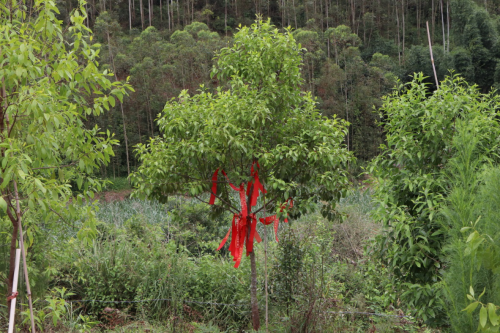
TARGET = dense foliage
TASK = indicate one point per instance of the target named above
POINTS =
(471, 223)
(355, 52)
(262, 118)
(410, 186)
(48, 89)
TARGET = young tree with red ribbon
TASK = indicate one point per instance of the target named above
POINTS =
(258, 135)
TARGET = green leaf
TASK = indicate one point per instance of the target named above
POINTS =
(471, 307)
(483, 316)
(3, 204)
(40, 186)
(492, 313)
(21, 174)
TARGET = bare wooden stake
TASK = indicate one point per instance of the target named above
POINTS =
(14, 291)
(19, 222)
(432, 58)
(265, 265)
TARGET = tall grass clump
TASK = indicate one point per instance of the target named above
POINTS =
(473, 196)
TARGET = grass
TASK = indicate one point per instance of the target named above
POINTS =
(141, 251)
(117, 184)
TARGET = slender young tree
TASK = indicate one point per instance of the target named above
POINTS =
(262, 136)
(48, 89)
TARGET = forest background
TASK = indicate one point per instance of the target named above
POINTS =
(355, 52)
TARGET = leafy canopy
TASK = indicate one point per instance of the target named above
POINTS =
(262, 116)
(50, 86)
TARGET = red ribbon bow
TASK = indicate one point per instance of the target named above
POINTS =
(244, 226)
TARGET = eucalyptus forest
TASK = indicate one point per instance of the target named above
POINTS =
(249, 165)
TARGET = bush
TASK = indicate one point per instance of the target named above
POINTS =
(473, 227)
(409, 187)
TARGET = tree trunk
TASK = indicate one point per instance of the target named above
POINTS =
(130, 14)
(403, 21)
(294, 13)
(253, 293)
(121, 106)
(327, 18)
(178, 14)
(432, 22)
(442, 24)
(399, 38)
(13, 242)
(448, 23)
(253, 267)
(150, 16)
(142, 13)
(168, 14)
(418, 20)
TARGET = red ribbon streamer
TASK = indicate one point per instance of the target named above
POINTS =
(12, 296)
(274, 219)
(244, 226)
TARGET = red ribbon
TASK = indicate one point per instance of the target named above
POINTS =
(12, 296)
(244, 226)
(274, 219)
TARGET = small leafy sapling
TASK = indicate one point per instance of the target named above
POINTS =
(262, 123)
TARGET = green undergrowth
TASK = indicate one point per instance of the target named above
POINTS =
(166, 254)
(117, 184)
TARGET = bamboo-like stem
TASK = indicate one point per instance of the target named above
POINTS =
(432, 58)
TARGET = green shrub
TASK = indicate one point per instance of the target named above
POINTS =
(409, 187)
(472, 224)
(117, 184)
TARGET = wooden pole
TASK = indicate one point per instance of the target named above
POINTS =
(20, 224)
(265, 266)
(23, 252)
(14, 291)
(432, 58)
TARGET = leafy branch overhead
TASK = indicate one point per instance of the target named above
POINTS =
(258, 114)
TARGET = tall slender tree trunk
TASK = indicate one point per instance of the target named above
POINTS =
(399, 38)
(150, 16)
(404, 30)
(327, 14)
(353, 13)
(178, 14)
(418, 20)
(130, 14)
(294, 13)
(121, 106)
(142, 13)
(168, 14)
(282, 13)
(161, 12)
(448, 22)
(432, 21)
(442, 24)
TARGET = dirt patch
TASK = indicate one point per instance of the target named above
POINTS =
(112, 196)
